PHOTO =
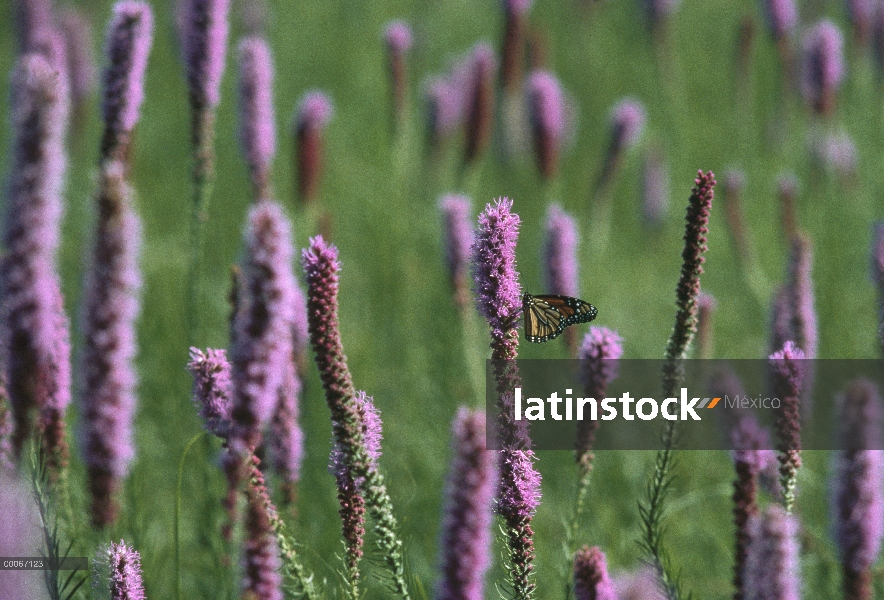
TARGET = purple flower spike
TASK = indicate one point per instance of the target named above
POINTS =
(370, 417)
(862, 17)
(546, 103)
(772, 567)
(312, 117)
(33, 23)
(125, 581)
(520, 498)
(212, 389)
(601, 349)
(498, 293)
(458, 239)
(561, 252)
(788, 374)
(204, 28)
(262, 328)
(466, 524)
(398, 36)
(33, 330)
(111, 308)
(627, 122)
(591, 581)
(479, 105)
(782, 17)
(858, 498)
(82, 70)
(129, 38)
(878, 275)
(257, 131)
(655, 188)
(823, 66)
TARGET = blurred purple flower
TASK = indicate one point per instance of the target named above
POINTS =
(458, 239)
(286, 436)
(466, 524)
(261, 563)
(734, 186)
(560, 255)
(203, 33)
(862, 15)
(33, 24)
(655, 188)
(125, 580)
(822, 66)
(591, 581)
(444, 108)
(801, 296)
(111, 307)
(313, 115)
(546, 103)
(772, 566)
(834, 152)
(877, 256)
(33, 329)
(212, 389)
(257, 129)
(858, 494)
(599, 356)
(479, 101)
(782, 17)
(397, 35)
(627, 122)
(129, 38)
(512, 51)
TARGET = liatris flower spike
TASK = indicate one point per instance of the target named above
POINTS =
(129, 38)
(627, 122)
(591, 581)
(862, 15)
(204, 29)
(479, 102)
(512, 54)
(286, 437)
(458, 238)
(261, 345)
(782, 18)
(261, 563)
(125, 580)
(601, 349)
(560, 256)
(788, 374)
(466, 525)
(822, 67)
(444, 111)
(310, 121)
(33, 331)
(111, 308)
(772, 565)
(858, 498)
(801, 296)
(398, 37)
(546, 105)
(655, 188)
(257, 131)
(212, 389)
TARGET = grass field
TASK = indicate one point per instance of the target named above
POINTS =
(401, 331)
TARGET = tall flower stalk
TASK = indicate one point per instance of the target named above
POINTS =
(466, 524)
(124, 578)
(772, 565)
(498, 298)
(203, 34)
(560, 260)
(256, 116)
(33, 326)
(652, 509)
(320, 261)
(858, 498)
(788, 378)
(113, 279)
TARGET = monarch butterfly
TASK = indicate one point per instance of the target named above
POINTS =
(546, 317)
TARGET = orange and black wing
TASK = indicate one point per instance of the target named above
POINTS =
(546, 317)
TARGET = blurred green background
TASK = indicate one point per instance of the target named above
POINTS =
(402, 332)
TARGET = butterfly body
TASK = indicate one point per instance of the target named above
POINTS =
(546, 317)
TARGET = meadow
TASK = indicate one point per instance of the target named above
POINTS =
(406, 342)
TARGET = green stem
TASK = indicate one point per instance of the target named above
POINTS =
(203, 184)
(178, 514)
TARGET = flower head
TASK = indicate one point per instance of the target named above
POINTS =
(782, 17)
(479, 101)
(398, 36)
(561, 252)
(546, 103)
(204, 28)
(466, 524)
(458, 239)
(125, 572)
(256, 122)
(212, 389)
(627, 122)
(129, 38)
(822, 66)
(772, 567)
(591, 581)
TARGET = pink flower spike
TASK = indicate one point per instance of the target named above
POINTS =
(204, 29)
(257, 130)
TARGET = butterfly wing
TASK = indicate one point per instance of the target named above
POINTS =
(546, 317)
